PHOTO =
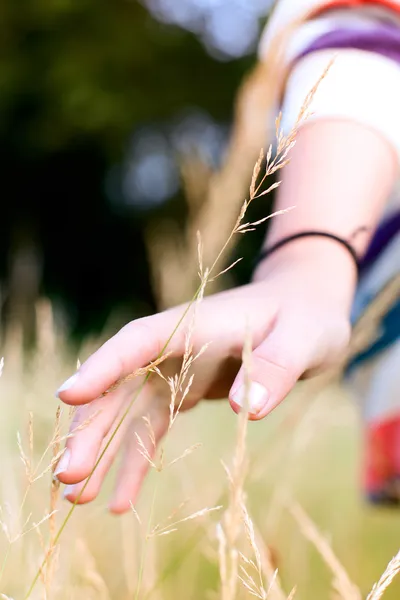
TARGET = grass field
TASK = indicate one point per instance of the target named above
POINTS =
(306, 453)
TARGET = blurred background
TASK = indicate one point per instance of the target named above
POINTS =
(101, 107)
(113, 117)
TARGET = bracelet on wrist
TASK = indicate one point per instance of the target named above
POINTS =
(303, 234)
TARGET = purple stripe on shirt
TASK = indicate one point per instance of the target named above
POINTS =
(382, 38)
(388, 229)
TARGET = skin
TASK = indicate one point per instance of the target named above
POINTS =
(296, 311)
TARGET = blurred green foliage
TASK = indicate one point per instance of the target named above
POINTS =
(90, 68)
(77, 79)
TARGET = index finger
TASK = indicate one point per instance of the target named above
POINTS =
(133, 347)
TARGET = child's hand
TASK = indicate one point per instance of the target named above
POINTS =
(297, 317)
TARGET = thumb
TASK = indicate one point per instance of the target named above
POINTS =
(275, 367)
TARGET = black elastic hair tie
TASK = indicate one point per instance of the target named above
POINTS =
(268, 251)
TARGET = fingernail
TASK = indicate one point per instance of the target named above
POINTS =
(254, 397)
(63, 463)
(68, 490)
(67, 384)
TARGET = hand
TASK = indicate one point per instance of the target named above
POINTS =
(297, 316)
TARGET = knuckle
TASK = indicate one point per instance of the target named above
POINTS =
(141, 331)
(137, 327)
(276, 360)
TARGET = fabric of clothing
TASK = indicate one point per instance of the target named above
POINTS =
(362, 85)
(391, 4)
(289, 11)
(379, 266)
(382, 38)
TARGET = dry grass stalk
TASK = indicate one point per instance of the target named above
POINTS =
(342, 583)
(384, 582)
(292, 594)
(179, 387)
(24, 526)
(270, 572)
(142, 372)
(89, 579)
(260, 566)
(45, 329)
(214, 213)
(234, 565)
(229, 531)
(129, 550)
(184, 454)
(52, 550)
(230, 527)
(366, 330)
(172, 526)
(180, 384)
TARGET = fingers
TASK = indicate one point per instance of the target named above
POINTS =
(92, 488)
(141, 444)
(276, 365)
(135, 346)
(90, 425)
(141, 439)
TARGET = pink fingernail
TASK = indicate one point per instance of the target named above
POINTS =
(63, 463)
(254, 397)
(67, 384)
(68, 490)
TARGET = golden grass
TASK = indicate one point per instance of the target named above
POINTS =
(96, 559)
(66, 566)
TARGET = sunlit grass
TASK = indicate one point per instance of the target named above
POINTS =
(315, 463)
(174, 543)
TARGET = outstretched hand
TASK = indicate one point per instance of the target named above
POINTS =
(297, 318)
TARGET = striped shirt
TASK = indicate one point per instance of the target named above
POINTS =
(364, 82)
(363, 85)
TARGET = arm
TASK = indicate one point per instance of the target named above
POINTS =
(296, 313)
(345, 161)
(339, 178)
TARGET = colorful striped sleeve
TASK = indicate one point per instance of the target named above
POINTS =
(364, 82)
(288, 11)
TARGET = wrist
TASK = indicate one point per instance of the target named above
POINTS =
(319, 262)
(266, 252)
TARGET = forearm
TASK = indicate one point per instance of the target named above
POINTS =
(346, 158)
(339, 178)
